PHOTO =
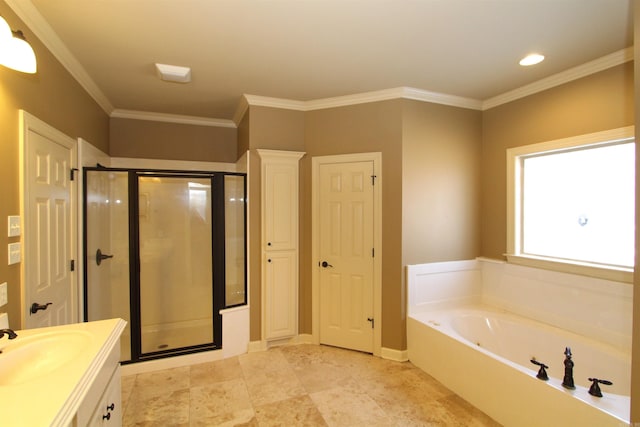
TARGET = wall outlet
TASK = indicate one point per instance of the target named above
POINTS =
(3, 294)
(14, 253)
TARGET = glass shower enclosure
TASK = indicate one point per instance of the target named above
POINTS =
(166, 251)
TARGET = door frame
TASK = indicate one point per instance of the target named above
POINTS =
(30, 123)
(317, 161)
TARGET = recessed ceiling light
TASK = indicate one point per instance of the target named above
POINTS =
(532, 59)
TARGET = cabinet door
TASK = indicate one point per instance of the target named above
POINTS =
(281, 206)
(109, 410)
(281, 296)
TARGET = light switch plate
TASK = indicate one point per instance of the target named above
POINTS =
(3, 294)
(13, 225)
(14, 253)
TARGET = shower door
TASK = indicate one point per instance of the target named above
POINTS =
(166, 251)
(106, 259)
(175, 261)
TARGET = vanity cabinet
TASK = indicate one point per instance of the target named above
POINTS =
(108, 412)
(102, 406)
(279, 210)
(62, 376)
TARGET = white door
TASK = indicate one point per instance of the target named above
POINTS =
(48, 227)
(346, 233)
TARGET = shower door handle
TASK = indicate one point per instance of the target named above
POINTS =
(100, 257)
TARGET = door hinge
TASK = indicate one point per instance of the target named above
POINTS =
(373, 252)
(72, 265)
(373, 179)
(370, 319)
(72, 174)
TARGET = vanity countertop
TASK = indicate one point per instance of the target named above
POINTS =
(47, 372)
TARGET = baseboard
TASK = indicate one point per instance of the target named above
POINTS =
(265, 345)
(304, 339)
(395, 355)
(255, 346)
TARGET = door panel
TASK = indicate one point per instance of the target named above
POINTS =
(346, 245)
(48, 234)
(280, 229)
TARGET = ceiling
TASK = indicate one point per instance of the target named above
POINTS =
(306, 50)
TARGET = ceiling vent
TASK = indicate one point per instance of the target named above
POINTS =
(174, 73)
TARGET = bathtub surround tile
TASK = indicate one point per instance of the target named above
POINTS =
(297, 385)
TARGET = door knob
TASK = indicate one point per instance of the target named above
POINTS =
(100, 257)
(325, 264)
(35, 307)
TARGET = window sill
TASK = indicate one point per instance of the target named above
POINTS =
(617, 274)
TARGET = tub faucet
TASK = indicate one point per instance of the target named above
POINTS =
(9, 332)
(567, 381)
(542, 372)
(594, 390)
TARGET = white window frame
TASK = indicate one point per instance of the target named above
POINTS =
(515, 157)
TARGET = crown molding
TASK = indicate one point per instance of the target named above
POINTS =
(171, 118)
(592, 67)
(365, 97)
(39, 26)
(243, 106)
(441, 98)
(265, 101)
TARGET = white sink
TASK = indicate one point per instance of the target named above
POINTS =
(30, 358)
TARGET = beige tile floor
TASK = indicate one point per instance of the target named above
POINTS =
(298, 385)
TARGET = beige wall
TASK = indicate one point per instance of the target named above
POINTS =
(595, 103)
(55, 97)
(441, 148)
(373, 127)
(175, 141)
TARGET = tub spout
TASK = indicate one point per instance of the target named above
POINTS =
(567, 381)
(594, 390)
(9, 332)
(542, 372)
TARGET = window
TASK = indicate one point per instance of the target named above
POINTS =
(572, 204)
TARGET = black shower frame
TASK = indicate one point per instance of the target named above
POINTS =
(217, 251)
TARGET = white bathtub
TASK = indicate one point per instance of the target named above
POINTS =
(484, 356)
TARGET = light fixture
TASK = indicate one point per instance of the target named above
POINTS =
(532, 59)
(174, 73)
(15, 52)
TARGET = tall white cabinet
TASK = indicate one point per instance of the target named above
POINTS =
(279, 205)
